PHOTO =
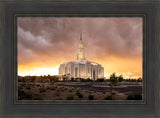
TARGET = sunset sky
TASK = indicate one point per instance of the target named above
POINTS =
(46, 42)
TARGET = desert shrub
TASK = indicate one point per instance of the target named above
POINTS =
(52, 88)
(59, 99)
(78, 89)
(70, 97)
(62, 90)
(28, 87)
(100, 80)
(130, 97)
(23, 96)
(108, 97)
(79, 94)
(113, 93)
(70, 90)
(41, 90)
(66, 88)
(38, 85)
(37, 97)
(89, 92)
(47, 87)
(136, 96)
(91, 97)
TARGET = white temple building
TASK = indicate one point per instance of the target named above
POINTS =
(81, 68)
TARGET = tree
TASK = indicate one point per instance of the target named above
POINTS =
(139, 79)
(64, 78)
(49, 76)
(120, 78)
(113, 81)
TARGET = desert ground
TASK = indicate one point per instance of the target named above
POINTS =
(78, 91)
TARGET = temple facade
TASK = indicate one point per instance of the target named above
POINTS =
(81, 68)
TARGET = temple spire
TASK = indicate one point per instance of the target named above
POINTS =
(81, 51)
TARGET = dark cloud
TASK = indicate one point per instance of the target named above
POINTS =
(41, 38)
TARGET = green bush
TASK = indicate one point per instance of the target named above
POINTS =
(108, 97)
(70, 97)
(136, 96)
(91, 97)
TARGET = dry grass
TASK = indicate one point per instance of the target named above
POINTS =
(53, 92)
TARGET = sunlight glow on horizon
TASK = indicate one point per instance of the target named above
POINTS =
(40, 71)
(54, 71)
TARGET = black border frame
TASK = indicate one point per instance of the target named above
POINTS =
(150, 59)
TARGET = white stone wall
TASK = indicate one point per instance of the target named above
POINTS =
(84, 70)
